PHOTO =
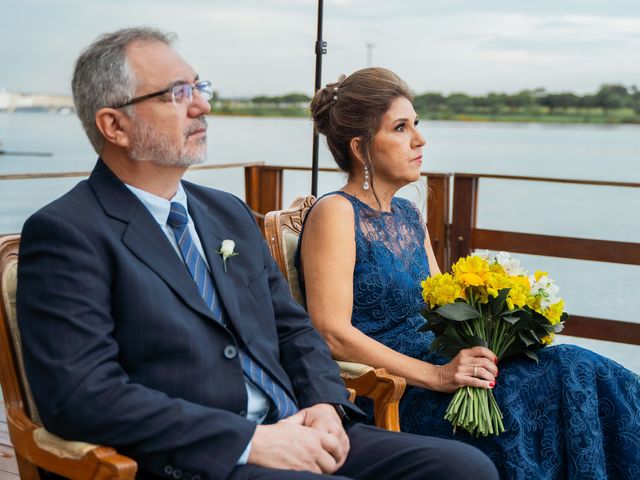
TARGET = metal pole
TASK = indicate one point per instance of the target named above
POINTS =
(321, 49)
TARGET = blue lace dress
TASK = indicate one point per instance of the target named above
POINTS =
(574, 415)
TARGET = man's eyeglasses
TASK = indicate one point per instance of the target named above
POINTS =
(180, 94)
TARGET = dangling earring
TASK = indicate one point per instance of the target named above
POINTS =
(365, 184)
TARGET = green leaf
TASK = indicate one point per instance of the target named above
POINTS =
(535, 339)
(525, 338)
(435, 323)
(446, 346)
(511, 320)
(437, 344)
(452, 332)
(458, 311)
(533, 336)
(497, 304)
(451, 350)
(531, 355)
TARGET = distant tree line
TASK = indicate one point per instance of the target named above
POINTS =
(612, 103)
(289, 98)
(608, 97)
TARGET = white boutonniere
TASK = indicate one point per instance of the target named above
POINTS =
(226, 250)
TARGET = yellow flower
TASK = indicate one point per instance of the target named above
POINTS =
(496, 281)
(519, 293)
(539, 274)
(427, 291)
(496, 268)
(469, 271)
(548, 340)
(441, 289)
(533, 302)
(554, 312)
(481, 295)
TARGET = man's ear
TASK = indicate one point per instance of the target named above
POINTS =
(114, 126)
(355, 148)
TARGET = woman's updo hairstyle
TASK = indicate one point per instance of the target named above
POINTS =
(353, 107)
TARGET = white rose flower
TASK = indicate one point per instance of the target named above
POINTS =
(226, 250)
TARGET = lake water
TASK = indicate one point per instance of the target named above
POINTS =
(558, 151)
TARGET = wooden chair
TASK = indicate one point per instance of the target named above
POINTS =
(34, 446)
(282, 229)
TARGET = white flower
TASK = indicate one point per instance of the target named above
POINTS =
(546, 289)
(511, 265)
(485, 255)
(226, 250)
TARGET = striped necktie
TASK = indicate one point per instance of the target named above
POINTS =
(179, 221)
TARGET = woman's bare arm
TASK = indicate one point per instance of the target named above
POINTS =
(328, 255)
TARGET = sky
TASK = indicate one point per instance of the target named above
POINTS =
(252, 47)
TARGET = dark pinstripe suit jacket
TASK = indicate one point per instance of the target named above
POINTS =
(120, 348)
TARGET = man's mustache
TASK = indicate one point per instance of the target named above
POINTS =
(198, 124)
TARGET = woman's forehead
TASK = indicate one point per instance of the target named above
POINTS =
(400, 108)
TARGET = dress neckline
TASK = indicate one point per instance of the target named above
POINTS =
(367, 206)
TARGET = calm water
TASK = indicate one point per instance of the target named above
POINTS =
(558, 151)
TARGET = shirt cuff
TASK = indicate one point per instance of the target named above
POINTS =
(245, 455)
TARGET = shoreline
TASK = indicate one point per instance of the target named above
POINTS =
(571, 119)
(557, 119)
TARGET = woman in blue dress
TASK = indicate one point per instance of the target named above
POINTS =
(362, 256)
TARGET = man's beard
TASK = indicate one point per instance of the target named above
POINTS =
(150, 144)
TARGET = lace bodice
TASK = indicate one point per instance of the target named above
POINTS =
(390, 265)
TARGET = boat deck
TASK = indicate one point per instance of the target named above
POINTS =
(8, 465)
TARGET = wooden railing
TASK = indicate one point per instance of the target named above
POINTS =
(451, 240)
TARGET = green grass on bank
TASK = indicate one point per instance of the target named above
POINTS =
(261, 111)
(592, 116)
(595, 116)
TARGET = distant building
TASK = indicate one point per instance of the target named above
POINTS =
(5, 99)
(12, 101)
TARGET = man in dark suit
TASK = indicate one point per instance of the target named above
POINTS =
(155, 320)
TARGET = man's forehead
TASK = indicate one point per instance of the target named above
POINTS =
(158, 64)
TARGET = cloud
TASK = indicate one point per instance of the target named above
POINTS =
(251, 47)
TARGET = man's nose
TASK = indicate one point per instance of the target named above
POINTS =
(199, 106)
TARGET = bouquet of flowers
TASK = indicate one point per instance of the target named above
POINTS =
(490, 301)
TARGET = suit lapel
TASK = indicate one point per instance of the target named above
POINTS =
(212, 232)
(144, 237)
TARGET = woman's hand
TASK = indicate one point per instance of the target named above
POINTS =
(475, 367)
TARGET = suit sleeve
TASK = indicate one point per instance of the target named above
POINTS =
(82, 392)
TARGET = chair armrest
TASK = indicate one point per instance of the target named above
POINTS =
(74, 460)
(383, 388)
(352, 369)
(60, 447)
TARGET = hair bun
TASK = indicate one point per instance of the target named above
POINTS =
(321, 105)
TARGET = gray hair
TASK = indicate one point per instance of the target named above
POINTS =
(103, 77)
